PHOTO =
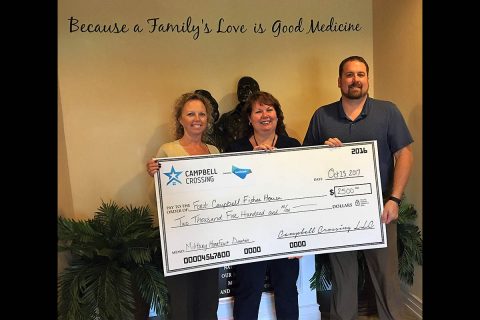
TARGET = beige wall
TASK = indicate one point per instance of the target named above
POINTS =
(397, 52)
(116, 90)
(65, 202)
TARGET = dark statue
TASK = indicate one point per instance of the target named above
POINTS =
(213, 102)
(212, 136)
(229, 124)
(229, 127)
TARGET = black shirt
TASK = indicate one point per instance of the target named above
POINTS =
(244, 144)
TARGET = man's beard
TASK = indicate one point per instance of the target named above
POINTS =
(355, 94)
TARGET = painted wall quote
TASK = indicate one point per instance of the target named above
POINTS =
(197, 27)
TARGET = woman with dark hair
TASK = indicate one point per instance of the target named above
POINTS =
(262, 128)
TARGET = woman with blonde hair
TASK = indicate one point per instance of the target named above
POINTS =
(194, 295)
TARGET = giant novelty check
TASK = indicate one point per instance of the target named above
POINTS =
(233, 208)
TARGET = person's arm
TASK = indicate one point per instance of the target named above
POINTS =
(152, 167)
(403, 168)
(312, 136)
(333, 142)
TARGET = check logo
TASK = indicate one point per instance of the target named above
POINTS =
(173, 176)
(242, 173)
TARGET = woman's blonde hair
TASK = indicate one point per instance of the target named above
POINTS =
(178, 108)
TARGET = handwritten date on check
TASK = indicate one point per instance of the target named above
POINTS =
(227, 209)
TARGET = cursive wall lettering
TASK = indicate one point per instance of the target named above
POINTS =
(195, 27)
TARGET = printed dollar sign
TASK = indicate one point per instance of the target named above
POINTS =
(331, 192)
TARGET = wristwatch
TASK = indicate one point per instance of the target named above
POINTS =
(395, 199)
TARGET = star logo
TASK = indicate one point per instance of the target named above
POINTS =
(173, 176)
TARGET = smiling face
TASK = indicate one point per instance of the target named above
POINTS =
(194, 117)
(353, 82)
(263, 118)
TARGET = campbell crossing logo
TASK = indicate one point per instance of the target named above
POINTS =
(239, 172)
(173, 176)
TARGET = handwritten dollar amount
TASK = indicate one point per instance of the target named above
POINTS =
(351, 190)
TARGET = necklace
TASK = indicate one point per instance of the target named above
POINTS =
(273, 141)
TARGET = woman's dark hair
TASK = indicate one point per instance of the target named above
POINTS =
(265, 98)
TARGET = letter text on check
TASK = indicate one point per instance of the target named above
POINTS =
(233, 208)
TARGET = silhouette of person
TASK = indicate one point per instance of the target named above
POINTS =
(213, 135)
(208, 95)
(229, 124)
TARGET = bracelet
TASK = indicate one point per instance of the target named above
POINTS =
(395, 199)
